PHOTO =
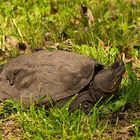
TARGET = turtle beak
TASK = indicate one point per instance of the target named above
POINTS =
(118, 67)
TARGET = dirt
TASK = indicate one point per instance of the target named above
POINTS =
(10, 130)
(124, 124)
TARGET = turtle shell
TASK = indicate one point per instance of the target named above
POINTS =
(57, 74)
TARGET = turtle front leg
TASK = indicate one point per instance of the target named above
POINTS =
(83, 101)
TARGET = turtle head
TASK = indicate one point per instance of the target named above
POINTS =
(108, 80)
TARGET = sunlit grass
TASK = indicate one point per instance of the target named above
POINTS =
(114, 32)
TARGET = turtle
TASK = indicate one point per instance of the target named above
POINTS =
(58, 76)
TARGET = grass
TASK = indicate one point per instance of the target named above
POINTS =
(114, 32)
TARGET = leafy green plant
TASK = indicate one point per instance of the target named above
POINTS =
(133, 86)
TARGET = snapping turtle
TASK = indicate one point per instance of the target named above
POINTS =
(58, 76)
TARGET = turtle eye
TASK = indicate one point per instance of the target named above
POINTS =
(115, 65)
